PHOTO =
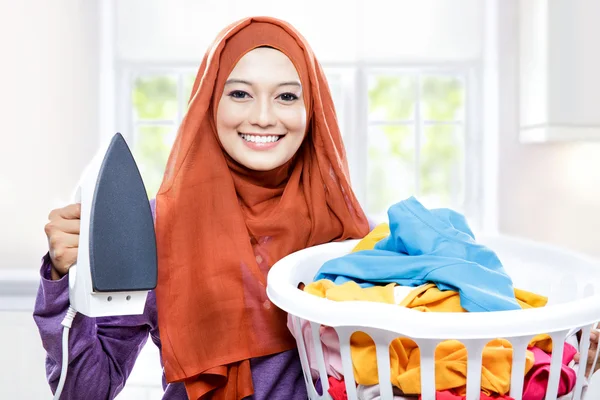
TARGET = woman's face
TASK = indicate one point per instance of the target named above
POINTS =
(261, 117)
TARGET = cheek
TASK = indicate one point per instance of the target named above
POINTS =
(294, 120)
(229, 117)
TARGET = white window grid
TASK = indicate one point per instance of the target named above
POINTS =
(349, 86)
(125, 112)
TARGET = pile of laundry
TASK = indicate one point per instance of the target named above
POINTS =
(429, 261)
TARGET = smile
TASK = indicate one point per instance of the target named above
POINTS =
(260, 138)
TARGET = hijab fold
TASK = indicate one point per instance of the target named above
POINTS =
(220, 226)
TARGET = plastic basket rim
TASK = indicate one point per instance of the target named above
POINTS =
(555, 318)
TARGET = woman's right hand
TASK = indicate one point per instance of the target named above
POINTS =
(62, 231)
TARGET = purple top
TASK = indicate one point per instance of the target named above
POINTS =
(103, 350)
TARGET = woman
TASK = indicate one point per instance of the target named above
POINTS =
(258, 171)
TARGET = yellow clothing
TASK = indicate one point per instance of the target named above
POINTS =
(450, 364)
(428, 298)
(380, 232)
(350, 291)
(450, 355)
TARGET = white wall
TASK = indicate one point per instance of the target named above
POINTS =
(340, 31)
(49, 104)
(22, 371)
(548, 192)
(50, 116)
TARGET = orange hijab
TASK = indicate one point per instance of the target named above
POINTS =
(220, 226)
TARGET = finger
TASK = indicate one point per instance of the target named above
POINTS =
(72, 211)
(67, 225)
(70, 241)
(576, 357)
(60, 240)
(594, 334)
(63, 258)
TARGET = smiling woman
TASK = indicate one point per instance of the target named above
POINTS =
(261, 116)
(256, 172)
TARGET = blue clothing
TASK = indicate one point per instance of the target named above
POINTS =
(429, 246)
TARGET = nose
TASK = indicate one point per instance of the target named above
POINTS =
(262, 114)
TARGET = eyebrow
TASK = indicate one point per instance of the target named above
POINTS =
(292, 83)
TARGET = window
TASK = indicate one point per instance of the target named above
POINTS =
(158, 103)
(415, 138)
(406, 130)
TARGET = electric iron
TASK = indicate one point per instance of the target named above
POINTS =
(116, 262)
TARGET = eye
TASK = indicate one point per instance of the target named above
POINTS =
(288, 97)
(239, 94)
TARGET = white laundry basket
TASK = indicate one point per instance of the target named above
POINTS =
(570, 281)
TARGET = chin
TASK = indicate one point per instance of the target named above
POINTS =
(261, 162)
(261, 166)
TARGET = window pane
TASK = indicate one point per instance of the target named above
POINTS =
(336, 87)
(391, 167)
(391, 97)
(151, 151)
(442, 98)
(441, 166)
(155, 97)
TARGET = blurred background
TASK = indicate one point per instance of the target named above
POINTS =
(490, 107)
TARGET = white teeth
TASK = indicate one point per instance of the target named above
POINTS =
(260, 139)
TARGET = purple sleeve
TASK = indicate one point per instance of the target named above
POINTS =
(102, 351)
